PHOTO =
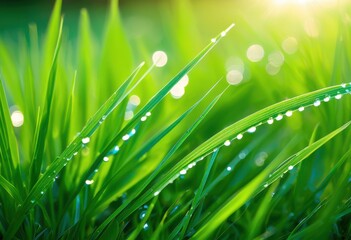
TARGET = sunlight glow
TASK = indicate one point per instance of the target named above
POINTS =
(304, 2)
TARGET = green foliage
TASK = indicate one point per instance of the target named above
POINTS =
(91, 162)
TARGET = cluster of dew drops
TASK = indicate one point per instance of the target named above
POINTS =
(252, 129)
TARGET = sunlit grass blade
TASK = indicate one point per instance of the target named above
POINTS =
(151, 192)
(156, 99)
(106, 187)
(197, 196)
(248, 124)
(46, 180)
(39, 142)
(257, 184)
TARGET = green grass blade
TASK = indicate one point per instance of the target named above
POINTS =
(10, 189)
(258, 183)
(149, 194)
(144, 149)
(46, 180)
(141, 225)
(39, 146)
(198, 196)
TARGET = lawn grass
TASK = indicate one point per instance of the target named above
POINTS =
(110, 147)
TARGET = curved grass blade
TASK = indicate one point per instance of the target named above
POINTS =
(238, 129)
(258, 183)
(136, 232)
(39, 142)
(46, 180)
(8, 143)
(150, 144)
(10, 189)
(155, 100)
(197, 196)
(142, 199)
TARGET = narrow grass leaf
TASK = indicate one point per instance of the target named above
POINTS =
(254, 188)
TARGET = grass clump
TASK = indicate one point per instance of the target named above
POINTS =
(94, 148)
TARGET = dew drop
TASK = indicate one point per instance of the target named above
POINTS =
(105, 159)
(289, 113)
(270, 121)
(86, 140)
(132, 132)
(326, 99)
(182, 172)
(213, 40)
(227, 143)
(146, 226)
(75, 154)
(301, 109)
(279, 117)
(240, 136)
(215, 150)
(125, 137)
(343, 85)
(143, 119)
(338, 96)
(32, 201)
(191, 165)
(317, 103)
(251, 130)
(115, 150)
(96, 170)
(42, 192)
(290, 167)
(223, 34)
(148, 114)
(89, 182)
(142, 215)
(229, 168)
(266, 185)
(156, 193)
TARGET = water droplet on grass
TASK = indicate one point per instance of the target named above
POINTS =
(182, 172)
(213, 40)
(266, 185)
(251, 130)
(290, 167)
(142, 215)
(270, 121)
(338, 96)
(125, 137)
(86, 140)
(143, 119)
(89, 182)
(317, 103)
(105, 159)
(301, 109)
(229, 168)
(326, 99)
(289, 113)
(279, 117)
(227, 143)
(156, 193)
(239, 136)
(146, 226)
